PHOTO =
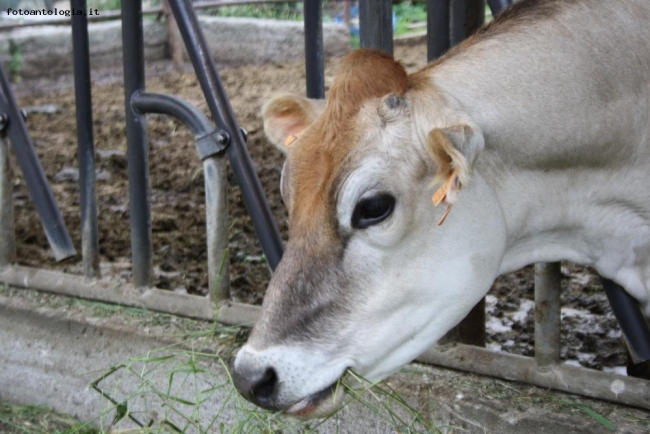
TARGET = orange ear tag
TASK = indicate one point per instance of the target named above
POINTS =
(441, 194)
(289, 141)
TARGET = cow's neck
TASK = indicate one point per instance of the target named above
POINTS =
(554, 134)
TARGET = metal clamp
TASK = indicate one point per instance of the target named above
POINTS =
(212, 143)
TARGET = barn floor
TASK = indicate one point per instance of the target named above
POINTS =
(53, 348)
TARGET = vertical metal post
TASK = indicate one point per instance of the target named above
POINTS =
(376, 24)
(137, 147)
(7, 233)
(216, 213)
(314, 64)
(497, 6)
(39, 189)
(634, 327)
(467, 16)
(222, 113)
(85, 141)
(438, 41)
(547, 314)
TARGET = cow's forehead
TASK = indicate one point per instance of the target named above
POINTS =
(320, 154)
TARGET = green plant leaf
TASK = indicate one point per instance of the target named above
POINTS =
(593, 414)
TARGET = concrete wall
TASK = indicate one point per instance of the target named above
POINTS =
(47, 50)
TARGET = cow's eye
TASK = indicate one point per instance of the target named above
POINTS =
(372, 210)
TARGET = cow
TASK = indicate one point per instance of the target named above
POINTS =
(408, 194)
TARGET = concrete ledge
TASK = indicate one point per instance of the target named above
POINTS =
(52, 348)
(47, 50)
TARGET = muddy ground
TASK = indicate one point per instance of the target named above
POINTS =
(590, 333)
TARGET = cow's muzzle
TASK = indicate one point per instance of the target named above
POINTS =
(262, 385)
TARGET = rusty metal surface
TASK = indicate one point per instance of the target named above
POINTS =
(7, 234)
(190, 306)
(123, 294)
(581, 381)
(216, 219)
(547, 314)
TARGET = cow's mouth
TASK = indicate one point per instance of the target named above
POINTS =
(319, 404)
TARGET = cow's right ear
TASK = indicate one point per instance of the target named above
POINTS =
(454, 150)
(286, 116)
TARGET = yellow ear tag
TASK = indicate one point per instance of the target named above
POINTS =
(441, 194)
(289, 141)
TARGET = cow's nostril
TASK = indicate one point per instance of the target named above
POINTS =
(263, 388)
(258, 387)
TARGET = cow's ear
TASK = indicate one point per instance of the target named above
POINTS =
(453, 150)
(286, 116)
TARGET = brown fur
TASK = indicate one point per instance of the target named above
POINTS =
(322, 149)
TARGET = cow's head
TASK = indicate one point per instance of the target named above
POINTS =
(369, 280)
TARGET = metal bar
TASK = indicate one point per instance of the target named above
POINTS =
(633, 324)
(547, 314)
(192, 117)
(376, 25)
(206, 139)
(223, 115)
(137, 147)
(37, 184)
(566, 378)
(580, 381)
(497, 6)
(191, 306)
(314, 63)
(471, 330)
(7, 230)
(438, 41)
(467, 16)
(85, 141)
(216, 221)
(458, 29)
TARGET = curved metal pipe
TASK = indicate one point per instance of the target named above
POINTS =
(210, 144)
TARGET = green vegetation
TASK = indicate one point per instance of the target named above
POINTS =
(409, 13)
(276, 11)
(111, 5)
(29, 419)
(104, 5)
(16, 62)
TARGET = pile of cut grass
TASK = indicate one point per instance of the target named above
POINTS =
(173, 390)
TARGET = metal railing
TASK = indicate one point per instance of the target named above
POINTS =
(448, 23)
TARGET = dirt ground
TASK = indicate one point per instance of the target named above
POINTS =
(590, 333)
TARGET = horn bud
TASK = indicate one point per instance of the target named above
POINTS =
(393, 101)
